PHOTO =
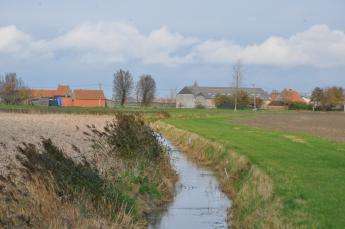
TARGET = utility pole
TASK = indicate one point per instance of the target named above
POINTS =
(236, 91)
(100, 85)
(237, 77)
(254, 97)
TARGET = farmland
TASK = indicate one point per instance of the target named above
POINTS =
(295, 160)
(329, 125)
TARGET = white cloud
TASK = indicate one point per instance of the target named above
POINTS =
(18, 43)
(111, 42)
(116, 42)
(318, 46)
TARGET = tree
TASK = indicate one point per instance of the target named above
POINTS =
(316, 97)
(243, 98)
(123, 85)
(237, 75)
(146, 89)
(223, 101)
(12, 89)
(333, 97)
(228, 101)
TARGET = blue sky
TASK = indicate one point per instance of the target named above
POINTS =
(296, 44)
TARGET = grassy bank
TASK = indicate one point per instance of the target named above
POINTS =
(126, 176)
(253, 202)
(306, 172)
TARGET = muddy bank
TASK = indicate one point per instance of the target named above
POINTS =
(198, 202)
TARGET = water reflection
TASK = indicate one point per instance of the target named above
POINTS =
(199, 203)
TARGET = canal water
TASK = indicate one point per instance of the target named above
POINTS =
(199, 203)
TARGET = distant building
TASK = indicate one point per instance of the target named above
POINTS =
(85, 98)
(45, 97)
(65, 97)
(288, 96)
(280, 100)
(190, 97)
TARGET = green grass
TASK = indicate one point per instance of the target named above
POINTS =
(308, 177)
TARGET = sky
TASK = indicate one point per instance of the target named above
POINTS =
(282, 44)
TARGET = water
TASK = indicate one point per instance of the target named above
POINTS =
(198, 203)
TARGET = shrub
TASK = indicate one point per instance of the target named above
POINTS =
(130, 136)
(199, 106)
(300, 106)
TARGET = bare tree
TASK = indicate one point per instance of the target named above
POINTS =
(146, 89)
(316, 97)
(173, 93)
(12, 89)
(237, 75)
(123, 85)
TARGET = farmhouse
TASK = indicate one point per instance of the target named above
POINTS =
(280, 100)
(64, 96)
(192, 96)
(89, 98)
(50, 97)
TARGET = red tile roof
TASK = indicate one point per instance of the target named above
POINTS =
(64, 88)
(47, 93)
(287, 95)
(293, 96)
(89, 94)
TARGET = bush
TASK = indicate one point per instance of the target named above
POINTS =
(300, 106)
(199, 106)
(129, 136)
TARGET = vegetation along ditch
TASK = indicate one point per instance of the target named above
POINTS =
(127, 175)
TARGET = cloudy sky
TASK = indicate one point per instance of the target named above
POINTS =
(295, 44)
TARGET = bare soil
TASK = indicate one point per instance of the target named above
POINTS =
(329, 125)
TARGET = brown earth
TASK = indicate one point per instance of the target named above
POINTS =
(329, 125)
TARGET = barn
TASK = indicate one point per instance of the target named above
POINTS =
(89, 98)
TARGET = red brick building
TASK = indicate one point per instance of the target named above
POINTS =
(63, 96)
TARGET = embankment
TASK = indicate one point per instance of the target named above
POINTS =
(255, 204)
(117, 184)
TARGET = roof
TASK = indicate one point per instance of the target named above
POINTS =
(47, 93)
(289, 95)
(212, 92)
(64, 88)
(89, 94)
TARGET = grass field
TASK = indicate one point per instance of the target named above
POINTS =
(307, 171)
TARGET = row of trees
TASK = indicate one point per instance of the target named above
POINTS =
(13, 89)
(239, 100)
(328, 98)
(145, 88)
